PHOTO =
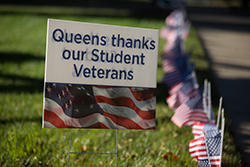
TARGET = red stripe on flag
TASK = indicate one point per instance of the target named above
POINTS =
(51, 117)
(123, 121)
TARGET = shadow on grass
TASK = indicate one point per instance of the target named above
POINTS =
(21, 120)
(18, 57)
(19, 83)
(162, 93)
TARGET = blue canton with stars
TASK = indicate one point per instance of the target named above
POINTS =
(77, 101)
(213, 140)
(204, 163)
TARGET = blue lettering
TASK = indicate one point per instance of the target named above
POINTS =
(144, 43)
(142, 59)
(127, 59)
(64, 54)
(129, 43)
(76, 71)
(100, 73)
(103, 39)
(58, 35)
(93, 71)
(152, 43)
(95, 57)
(86, 39)
(113, 40)
(137, 58)
(69, 40)
(93, 39)
(122, 72)
(86, 72)
(114, 74)
(118, 57)
(138, 43)
(130, 75)
(78, 38)
(120, 39)
(107, 73)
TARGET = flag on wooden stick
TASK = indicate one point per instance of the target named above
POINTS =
(189, 112)
(206, 148)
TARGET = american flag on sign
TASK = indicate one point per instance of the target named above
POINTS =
(189, 112)
(83, 106)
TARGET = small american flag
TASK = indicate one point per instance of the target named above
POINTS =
(189, 112)
(206, 148)
(83, 106)
(190, 76)
(187, 91)
(176, 68)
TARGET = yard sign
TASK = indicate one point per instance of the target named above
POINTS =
(99, 76)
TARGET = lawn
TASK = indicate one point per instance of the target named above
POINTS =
(22, 60)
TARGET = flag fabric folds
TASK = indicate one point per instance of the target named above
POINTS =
(84, 106)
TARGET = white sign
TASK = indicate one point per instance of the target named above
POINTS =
(96, 54)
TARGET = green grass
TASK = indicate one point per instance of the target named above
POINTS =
(23, 142)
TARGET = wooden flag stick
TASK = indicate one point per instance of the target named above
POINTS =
(219, 112)
(209, 102)
(205, 100)
(222, 134)
(204, 96)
